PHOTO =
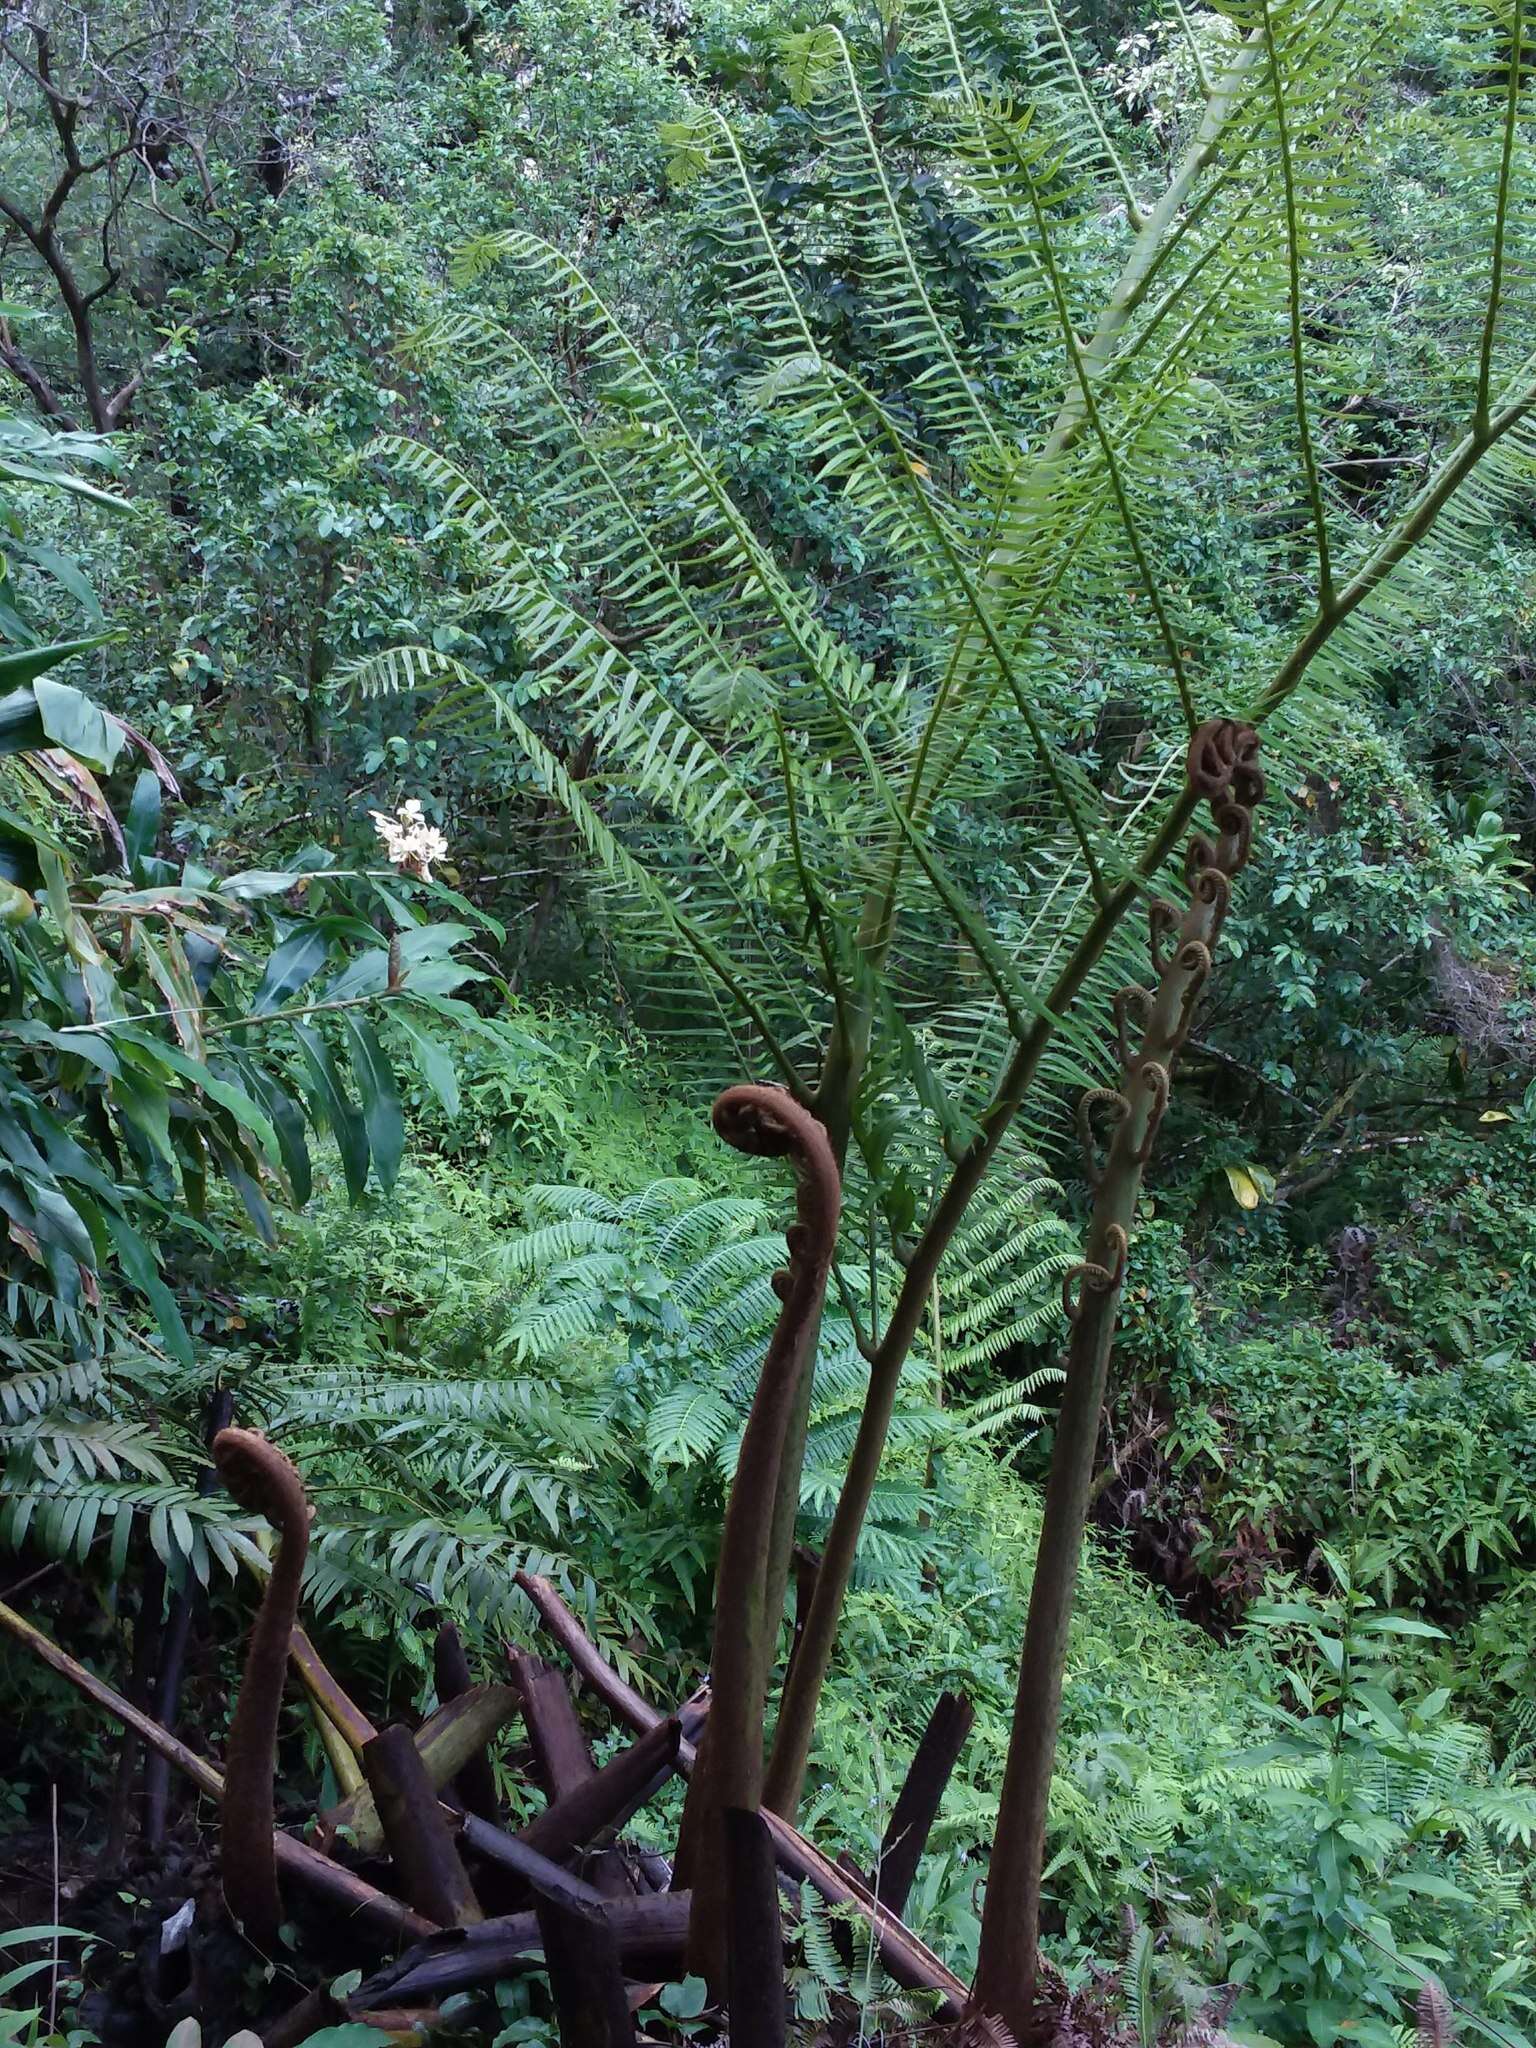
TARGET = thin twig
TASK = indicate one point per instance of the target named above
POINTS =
(1480, 415)
(53, 1982)
(105, 1025)
(21, 1585)
(1298, 354)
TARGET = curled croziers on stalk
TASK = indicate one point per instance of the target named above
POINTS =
(1117, 1127)
(769, 1123)
(263, 1480)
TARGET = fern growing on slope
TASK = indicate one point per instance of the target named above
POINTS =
(698, 1305)
(778, 829)
(775, 824)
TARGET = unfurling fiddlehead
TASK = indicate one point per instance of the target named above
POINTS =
(1223, 768)
(769, 1123)
(265, 1482)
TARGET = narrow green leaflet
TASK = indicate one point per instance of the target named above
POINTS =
(426, 962)
(144, 1105)
(247, 1113)
(436, 1066)
(59, 1223)
(380, 1097)
(333, 1107)
(141, 827)
(22, 665)
(240, 1172)
(287, 1121)
(72, 721)
(296, 961)
(139, 1264)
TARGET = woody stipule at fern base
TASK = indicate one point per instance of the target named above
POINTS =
(264, 1481)
(728, 1777)
(1223, 768)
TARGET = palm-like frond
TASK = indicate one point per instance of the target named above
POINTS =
(767, 816)
(81, 1468)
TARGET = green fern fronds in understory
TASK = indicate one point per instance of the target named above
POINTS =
(697, 1321)
(465, 1398)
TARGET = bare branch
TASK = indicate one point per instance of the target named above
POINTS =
(44, 397)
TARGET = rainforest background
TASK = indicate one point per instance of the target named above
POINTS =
(448, 1216)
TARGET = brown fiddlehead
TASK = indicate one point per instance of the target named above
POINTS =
(1222, 768)
(770, 1124)
(264, 1481)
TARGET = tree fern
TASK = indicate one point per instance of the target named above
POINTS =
(781, 833)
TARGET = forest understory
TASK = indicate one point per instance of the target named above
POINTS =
(767, 1024)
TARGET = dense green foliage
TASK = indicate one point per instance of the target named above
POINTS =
(592, 426)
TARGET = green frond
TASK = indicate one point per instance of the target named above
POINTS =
(545, 1201)
(538, 1329)
(31, 1393)
(726, 1270)
(558, 1242)
(1508, 1811)
(724, 1221)
(662, 1201)
(61, 1446)
(746, 1312)
(188, 1533)
(688, 1425)
(1004, 1410)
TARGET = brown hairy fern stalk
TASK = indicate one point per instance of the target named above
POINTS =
(265, 1482)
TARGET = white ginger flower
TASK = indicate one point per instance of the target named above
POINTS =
(410, 843)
